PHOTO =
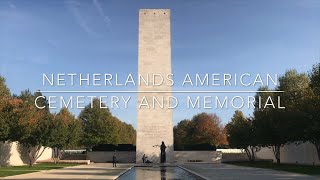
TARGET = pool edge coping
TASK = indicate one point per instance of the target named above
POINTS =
(190, 171)
(123, 172)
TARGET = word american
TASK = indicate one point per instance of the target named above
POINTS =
(154, 79)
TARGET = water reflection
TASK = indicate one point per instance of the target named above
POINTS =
(163, 173)
(158, 173)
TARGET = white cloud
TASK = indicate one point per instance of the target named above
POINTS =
(106, 18)
(11, 5)
(73, 7)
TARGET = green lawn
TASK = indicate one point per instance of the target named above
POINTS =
(302, 169)
(15, 170)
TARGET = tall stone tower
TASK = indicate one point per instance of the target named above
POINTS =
(154, 125)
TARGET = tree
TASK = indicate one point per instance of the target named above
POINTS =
(204, 129)
(66, 133)
(207, 129)
(296, 91)
(6, 109)
(9, 107)
(312, 108)
(9, 113)
(9, 117)
(240, 134)
(4, 90)
(100, 127)
(270, 130)
(97, 124)
(33, 129)
(126, 134)
(182, 134)
(277, 127)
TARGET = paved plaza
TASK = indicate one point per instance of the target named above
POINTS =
(92, 171)
(226, 171)
(208, 171)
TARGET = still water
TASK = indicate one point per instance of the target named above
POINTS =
(158, 173)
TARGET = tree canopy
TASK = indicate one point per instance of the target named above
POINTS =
(276, 127)
(8, 111)
(241, 134)
(312, 109)
(100, 127)
(202, 129)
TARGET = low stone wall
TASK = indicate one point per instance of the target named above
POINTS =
(224, 151)
(179, 156)
(65, 161)
(68, 156)
(106, 156)
(234, 157)
(198, 156)
(13, 154)
(304, 153)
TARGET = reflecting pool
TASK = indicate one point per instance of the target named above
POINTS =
(155, 173)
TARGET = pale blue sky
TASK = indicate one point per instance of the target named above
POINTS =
(99, 36)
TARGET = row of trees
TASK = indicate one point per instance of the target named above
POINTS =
(35, 129)
(100, 127)
(272, 127)
(202, 129)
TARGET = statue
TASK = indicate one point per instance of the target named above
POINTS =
(163, 152)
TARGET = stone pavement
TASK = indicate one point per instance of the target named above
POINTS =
(226, 171)
(208, 171)
(91, 171)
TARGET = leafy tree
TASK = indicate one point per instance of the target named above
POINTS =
(9, 113)
(204, 128)
(9, 117)
(207, 129)
(97, 124)
(126, 134)
(33, 129)
(66, 133)
(312, 108)
(5, 110)
(131, 134)
(296, 91)
(4, 126)
(100, 127)
(270, 129)
(182, 134)
(4, 90)
(275, 127)
(240, 134)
